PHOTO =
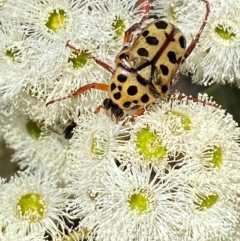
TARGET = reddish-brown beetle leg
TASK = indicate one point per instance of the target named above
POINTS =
(145, 6)
(138, 113)
(98, 109)
(128, 33)
(81, 90)
(194, 41)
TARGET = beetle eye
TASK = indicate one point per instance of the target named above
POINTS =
(124, 56)
(107, 103)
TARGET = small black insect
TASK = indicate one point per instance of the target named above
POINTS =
(68, 132)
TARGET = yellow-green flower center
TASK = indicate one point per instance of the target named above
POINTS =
(138, 202)
(185, 120)
(119, 27)
(33, 129)
(174, 8)
(79, 60)
(95, 148)
(31, 206)
(216, 157)
(149, 145)
(173, 12)
(56, 20)
(13, 53)
(224, 33)
(206, 201)
(76, 235)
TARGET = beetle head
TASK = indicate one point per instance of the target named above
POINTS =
(112, 109)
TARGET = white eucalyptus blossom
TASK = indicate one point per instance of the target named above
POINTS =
(171, 173)
(15, 60)
(115, 17)
(212, 210)
(187, 15)
(35, 145)
(34, 204)
(195, 134)
(48, 28)
(47, 20)
(134, 204)
(96, 140)
(10, 232)
(219, 48)
(182, 128)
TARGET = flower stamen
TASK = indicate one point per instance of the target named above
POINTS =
(95, 148)
(225, 33)
(215, 157)
(150, 146)
(138, 202)
(56, 20)
(79, 60)
(33, 129)
(31, 206)
(206, 202)
(185, 120)
(119, 27)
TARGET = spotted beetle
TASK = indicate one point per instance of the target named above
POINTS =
(145, 66)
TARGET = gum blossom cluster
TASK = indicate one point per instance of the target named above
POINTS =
(169, 174)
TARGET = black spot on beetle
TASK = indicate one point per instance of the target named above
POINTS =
(141, 80)
(179, 60)
(172, 57)
(112, 87)
(119, 87)
(135, 101)
(132, 90)
(151, 40)
(145, 33)
(126, 104)
(122, 78)
(117, 96)
(145, 98)
(161, 25)
(164, 69)
(142, 52)
(182, 42)
(164, 88)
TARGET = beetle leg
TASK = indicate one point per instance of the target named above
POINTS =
(98, 61)
(98, 109)
(145, 7)
(81, 90)
(196, 39)
(140, 111)
(128, 36)
(137, 113)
